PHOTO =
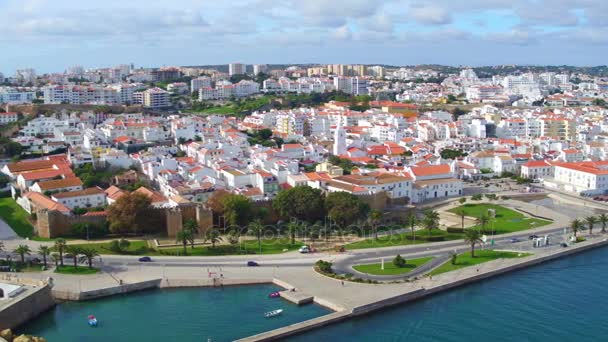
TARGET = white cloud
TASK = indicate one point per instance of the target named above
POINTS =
(431, 15)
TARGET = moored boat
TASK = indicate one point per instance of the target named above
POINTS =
(273, 313)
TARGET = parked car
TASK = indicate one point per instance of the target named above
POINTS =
(145, 259)
(304, 249)
(252, 264)
(564, 244)
(532, 237)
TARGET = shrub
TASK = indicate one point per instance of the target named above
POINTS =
(462, 200)
(580, 239)
(506, 198)
(454, 258)
(477, 197)
(491, 197)
(455, 230)
(324, 266)
(399, 261)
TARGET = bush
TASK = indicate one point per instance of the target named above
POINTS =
(506, 198)
(462, 200)
(455, 230)
(491, 197)
(119, 246)
(399, 261)
(324, 266)
(580, 239)
(477, 197)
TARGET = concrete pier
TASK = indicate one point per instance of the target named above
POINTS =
(297, 297)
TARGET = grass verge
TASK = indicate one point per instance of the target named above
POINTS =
(390, 268)
(465, 260)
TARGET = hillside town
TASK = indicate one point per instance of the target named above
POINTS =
(399, 151)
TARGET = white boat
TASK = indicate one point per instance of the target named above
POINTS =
(273, 313)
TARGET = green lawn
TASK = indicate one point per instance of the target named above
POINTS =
(465, 260)
(390, 268)
(81, 270)
(135, 248)
(269, 246)
(404, 239)
(16, 217)
(506, 220)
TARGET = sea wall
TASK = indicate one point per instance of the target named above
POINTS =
(26, 306)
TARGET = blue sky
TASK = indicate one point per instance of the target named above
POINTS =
(51, 35)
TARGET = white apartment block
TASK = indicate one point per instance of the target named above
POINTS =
(236, 69)
(58, 94)
(155, 98)
(11, 95)
(200, 82)
(8, 118)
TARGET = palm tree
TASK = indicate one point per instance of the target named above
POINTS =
(44, 251)
(192, 226)
(22, 250)
(603, 219)
(213, 236)
(483, 221)
(184, 236)
(591, 221)
(462, 213)
(60, 245)
(472, 237)
(74, 252)
(576, 225)
(88, 254)
(257, 228)
(56, 258)
(375, 217)
(430, 220)
(293, 227)
(412, 220)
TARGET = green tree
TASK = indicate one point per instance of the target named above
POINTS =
(576, 225)
(126, 214)
(87, 255)
(603, 219)
(412, 221)
(22, 250)
(293, 227)
(591, 221)
(462, 200)
(399, 261)
(462, 213)
(213, 236)
(430, 220)
(483, 220)
(44, 251)
(256, 228)
(301, 202)
(472, 237)
(192, 226)
(184, 236)
(237, 209)
(74, 252)
(60, 245)
(344, 208)
(375, 217)
(56, 258)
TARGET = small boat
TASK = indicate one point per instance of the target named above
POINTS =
(273, 313)
(275, 294)
(92, 321)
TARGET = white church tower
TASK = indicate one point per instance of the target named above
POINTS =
(339, 140)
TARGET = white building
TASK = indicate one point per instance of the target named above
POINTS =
(155, 98)
(236, 69)
(87, 198)
(12, 95)
(200, 82)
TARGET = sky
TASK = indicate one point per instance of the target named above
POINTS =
(51, 35)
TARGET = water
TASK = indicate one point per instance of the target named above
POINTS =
(195, 314)
(564, 300)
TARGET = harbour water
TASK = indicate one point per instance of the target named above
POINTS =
(194, 314)
(564, 300)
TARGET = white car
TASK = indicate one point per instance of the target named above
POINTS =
(304, 249)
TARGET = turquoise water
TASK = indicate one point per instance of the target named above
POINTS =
(564, 300)
(195, 314)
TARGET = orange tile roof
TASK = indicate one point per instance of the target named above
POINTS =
(59, 183)
(86, 192)
(43, 202)
(430, 170)
(154, 196)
